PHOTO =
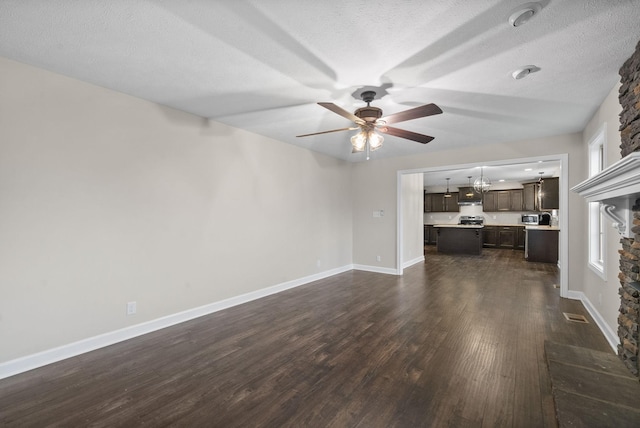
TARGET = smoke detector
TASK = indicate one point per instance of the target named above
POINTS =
(524, 13)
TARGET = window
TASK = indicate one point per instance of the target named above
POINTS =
(596, 234)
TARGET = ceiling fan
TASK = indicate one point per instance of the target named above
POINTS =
(369, 120)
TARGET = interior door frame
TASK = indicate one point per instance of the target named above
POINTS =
(563, 158)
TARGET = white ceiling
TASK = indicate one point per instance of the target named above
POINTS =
(263, 65)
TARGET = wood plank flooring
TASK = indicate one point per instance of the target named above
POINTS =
(457, 341)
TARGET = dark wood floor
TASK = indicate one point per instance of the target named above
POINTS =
(457, 341)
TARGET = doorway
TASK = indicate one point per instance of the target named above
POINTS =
(511, 164)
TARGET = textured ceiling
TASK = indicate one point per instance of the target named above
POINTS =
(262, 65)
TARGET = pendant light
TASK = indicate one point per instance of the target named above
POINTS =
(448, 193)
(469, 193)
(482, 184)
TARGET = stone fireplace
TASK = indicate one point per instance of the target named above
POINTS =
(629, 318)
(629, 291)
(617, 188)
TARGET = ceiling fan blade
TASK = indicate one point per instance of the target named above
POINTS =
(326, 132)
(420, 138)
(414, 113)
(342, 112)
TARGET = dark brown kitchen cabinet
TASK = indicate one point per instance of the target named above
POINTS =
(506, 237)
(459, 240)
(516, 200)
(520, 237)
(542, 246)
(451, 203)
(503, 200)
(429, 235)
(436, 202)
(508, 200)
(433, 235)
(490, 236)
(427, 202)
(530, 197)
(489, 202)
(550, 194)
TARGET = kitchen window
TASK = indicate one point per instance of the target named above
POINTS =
(596, 234)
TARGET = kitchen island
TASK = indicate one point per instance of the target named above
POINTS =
(459, 238)
(542, 244)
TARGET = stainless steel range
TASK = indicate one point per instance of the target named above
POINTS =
(471, 219)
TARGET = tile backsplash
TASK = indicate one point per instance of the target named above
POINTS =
(506, 218)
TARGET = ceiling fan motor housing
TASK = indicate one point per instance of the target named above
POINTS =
(369, 114)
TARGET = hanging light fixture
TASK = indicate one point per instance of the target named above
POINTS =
(448, 193)
(367, 139)
(469, 193)
(482, 184)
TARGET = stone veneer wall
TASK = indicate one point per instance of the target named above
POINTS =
(629, 318)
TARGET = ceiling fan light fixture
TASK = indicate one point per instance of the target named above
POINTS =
(358, 142)
(369, 119)
(375, 140)
(524, 13)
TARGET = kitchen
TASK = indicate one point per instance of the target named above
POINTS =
(511, 207)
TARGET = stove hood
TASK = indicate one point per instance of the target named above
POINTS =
(469, 196)
(616, 188)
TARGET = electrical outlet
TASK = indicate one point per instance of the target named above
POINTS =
(131, 308)
(379, 258)
(318, 263)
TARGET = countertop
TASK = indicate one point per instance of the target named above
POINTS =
(458, 226)
(527, 227)
(556, 228)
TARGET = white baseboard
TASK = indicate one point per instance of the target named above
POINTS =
(376, 269)
(53, 355)
(413, 262)
(609, 334)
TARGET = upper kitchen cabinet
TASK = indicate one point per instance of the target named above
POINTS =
(489, 202)
(451, 203)
(550, 194)
(436, 202)
(516, 200)
(509, 200)
(427, 202)
(530, 196)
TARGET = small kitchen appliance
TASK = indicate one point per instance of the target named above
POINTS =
(471, 220)
(531, 219)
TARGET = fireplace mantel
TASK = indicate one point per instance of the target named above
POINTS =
(616, 188)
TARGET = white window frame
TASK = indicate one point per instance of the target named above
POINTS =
(597, 233)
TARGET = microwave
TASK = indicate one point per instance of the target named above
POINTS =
(530, 219)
